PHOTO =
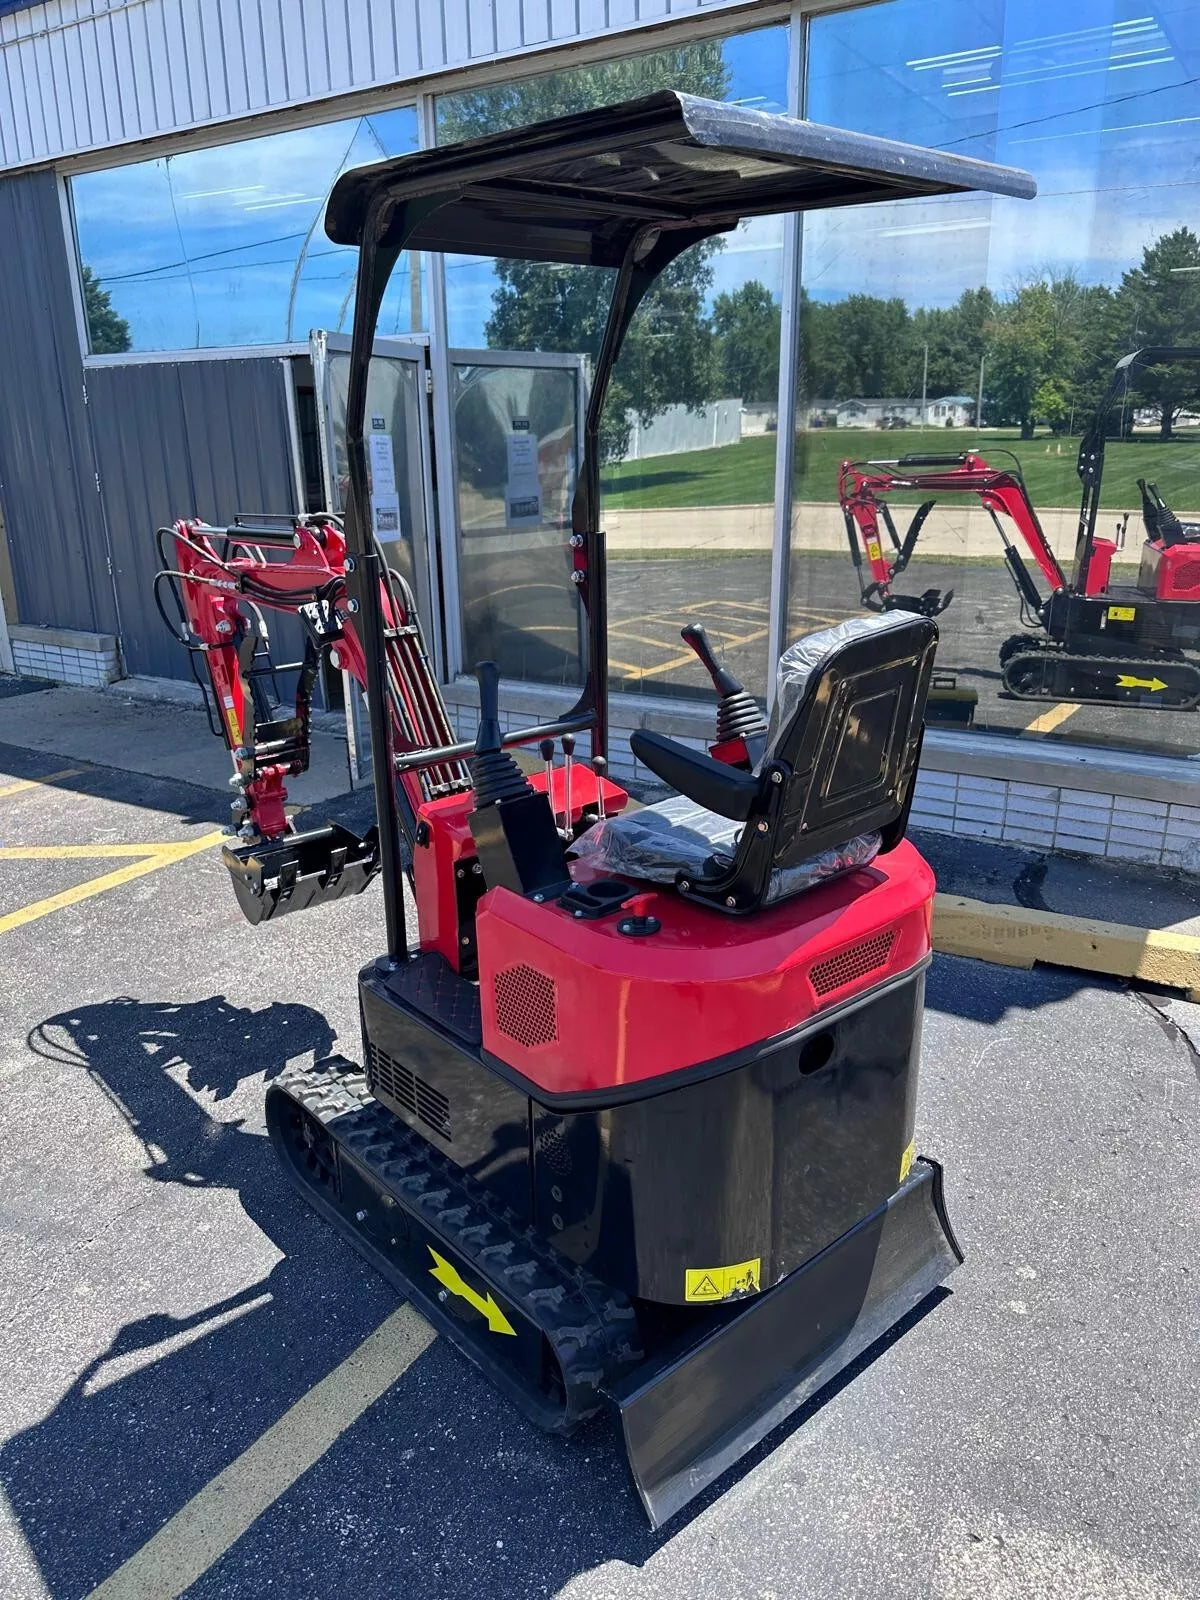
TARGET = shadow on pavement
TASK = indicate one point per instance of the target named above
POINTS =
(441, 1479)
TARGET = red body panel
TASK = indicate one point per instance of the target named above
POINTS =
(1100, 566)
(575, 1006)
(1178, 572)
(451, 846)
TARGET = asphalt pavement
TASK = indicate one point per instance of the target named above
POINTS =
(173, 1316)
(729, 592)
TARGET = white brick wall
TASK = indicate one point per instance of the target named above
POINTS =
(61, 663)
(1042, 816)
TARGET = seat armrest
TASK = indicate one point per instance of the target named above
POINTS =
(727, 790)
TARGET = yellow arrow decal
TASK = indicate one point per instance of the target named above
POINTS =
(485, 1305)
(1126, 682)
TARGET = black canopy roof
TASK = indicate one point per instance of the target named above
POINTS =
(577, 188)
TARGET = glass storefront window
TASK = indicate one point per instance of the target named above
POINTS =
(689, 429)
(226, 246)
(973, 324)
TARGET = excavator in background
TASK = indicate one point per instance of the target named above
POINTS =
(1088, 639)
(635, 1122)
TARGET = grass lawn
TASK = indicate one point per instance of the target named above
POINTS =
(744, 474)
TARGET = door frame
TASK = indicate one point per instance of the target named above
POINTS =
(414, 348)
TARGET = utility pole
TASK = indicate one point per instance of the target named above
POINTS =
(416, 319)
(925, 385)
(979, 397)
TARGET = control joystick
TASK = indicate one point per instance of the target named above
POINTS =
(738, 713)
(494, 773)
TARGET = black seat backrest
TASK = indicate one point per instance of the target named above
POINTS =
(841, 759)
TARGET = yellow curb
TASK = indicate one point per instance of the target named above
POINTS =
(1012, 936)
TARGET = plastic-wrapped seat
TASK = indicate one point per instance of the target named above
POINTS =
(833, 788)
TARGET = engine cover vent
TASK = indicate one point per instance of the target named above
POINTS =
(526, 1006)
(1186, 575)
(403, 1086)
(852, 963)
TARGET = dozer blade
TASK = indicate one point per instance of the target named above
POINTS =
(692, 1413)
(299, 870)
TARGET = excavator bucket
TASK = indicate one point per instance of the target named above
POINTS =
(692, 1411)
(299, 870)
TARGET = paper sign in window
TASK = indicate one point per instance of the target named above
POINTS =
(523, 492)
(385, 501)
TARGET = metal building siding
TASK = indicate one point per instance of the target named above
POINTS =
(47, 472)
(182, 439)
(84, 74)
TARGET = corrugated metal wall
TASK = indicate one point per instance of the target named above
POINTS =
(77, 75)
(47, 474)
(183, 439)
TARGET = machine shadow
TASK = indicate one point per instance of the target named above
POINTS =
(171, 1400)
(977, 991)
(189, 802)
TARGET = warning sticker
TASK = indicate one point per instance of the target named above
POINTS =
(722, 1283)
(907, 1159)
(873, 551)
(1122, 613)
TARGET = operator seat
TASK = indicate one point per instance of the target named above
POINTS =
(833, 788)
(1161, 522)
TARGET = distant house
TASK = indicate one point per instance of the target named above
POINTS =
(951, 411)
(893, 411)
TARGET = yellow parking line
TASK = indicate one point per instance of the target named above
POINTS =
(1054, 718)
(213, 1520)
(682, 660)
(164, 856)
(36, 783)
(742, 605)
(641, 638)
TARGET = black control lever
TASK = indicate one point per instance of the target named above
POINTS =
(494, 773)
(512, 825)
(723, 680)
(738, 714)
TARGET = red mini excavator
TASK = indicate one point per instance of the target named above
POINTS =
(1090, 639)
(636, 1125)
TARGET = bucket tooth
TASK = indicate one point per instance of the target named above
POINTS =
(299, 870)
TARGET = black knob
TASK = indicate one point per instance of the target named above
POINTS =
(547, 749)
(599, 766)
(568, 744)
(723, 681)
(489, 736)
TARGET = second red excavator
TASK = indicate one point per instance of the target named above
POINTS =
(1089, 639)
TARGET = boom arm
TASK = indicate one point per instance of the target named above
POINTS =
(223, 579)
(1002, 492)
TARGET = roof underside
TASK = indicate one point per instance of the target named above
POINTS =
(579, 188)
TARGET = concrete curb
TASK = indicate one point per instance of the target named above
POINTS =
(1012, 936)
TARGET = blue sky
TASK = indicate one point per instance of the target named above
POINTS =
(1098, 98)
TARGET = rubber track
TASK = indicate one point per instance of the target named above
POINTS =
(590, 1326)
(1116, 664)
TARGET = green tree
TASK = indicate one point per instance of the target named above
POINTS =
(746, 326)
(956, 337)
(668, 353)
(108, 332)
(1038, 352)
(1159, 302)
(863, 347)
